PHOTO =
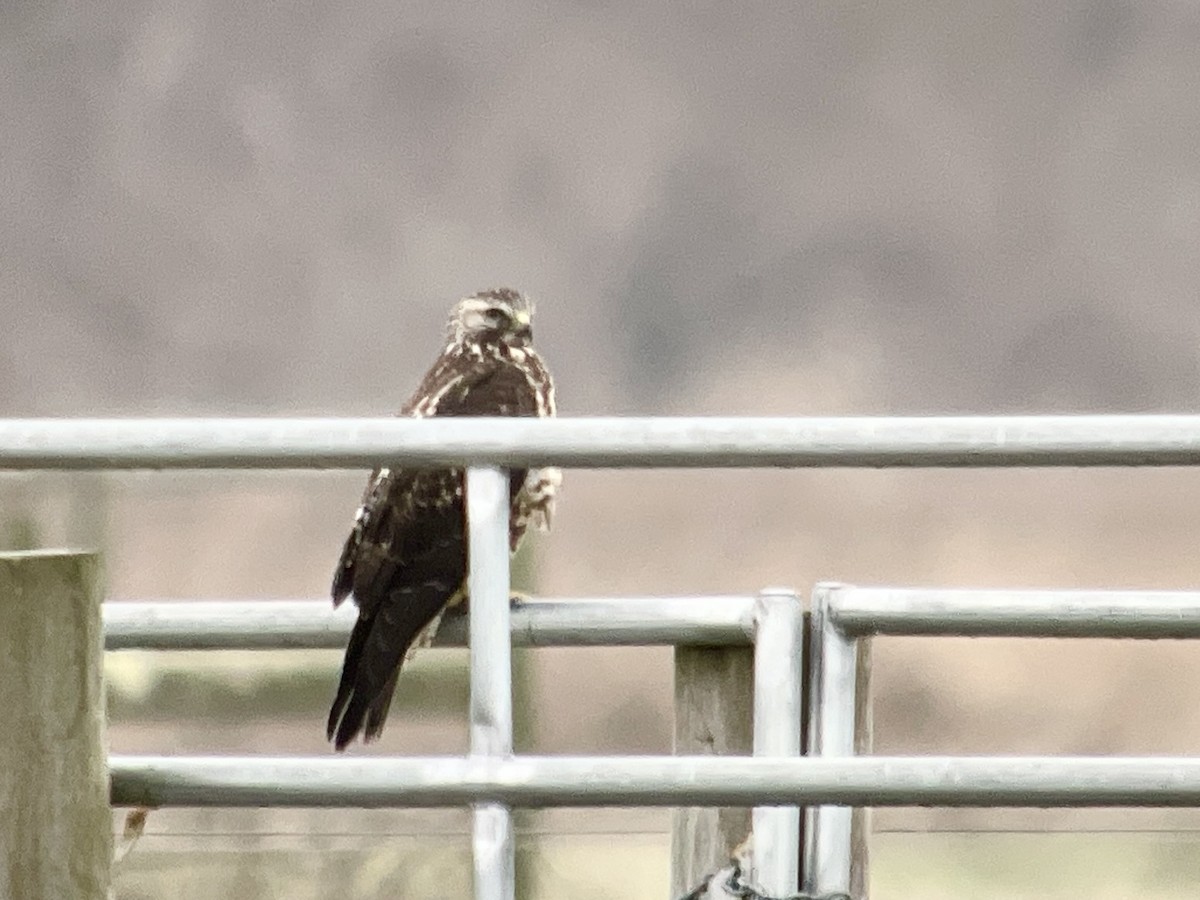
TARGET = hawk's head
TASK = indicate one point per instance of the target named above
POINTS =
(498, 316)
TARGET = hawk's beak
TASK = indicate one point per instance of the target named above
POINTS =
(523, 323)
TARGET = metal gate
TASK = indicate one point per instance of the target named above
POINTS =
(777, 778)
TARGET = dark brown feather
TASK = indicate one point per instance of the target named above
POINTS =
(405, 557)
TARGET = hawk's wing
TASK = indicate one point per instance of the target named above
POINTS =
(408, 564)
(446, 375)
(406, 557)
(397, 500)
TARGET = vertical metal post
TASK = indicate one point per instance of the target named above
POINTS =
(778, 672)
(830, 734)
(491, 671)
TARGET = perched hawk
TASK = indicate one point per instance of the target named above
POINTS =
(405, 561)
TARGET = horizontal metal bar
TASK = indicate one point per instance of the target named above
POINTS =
(314, 624)
(991, 613)
(544, 781)
(602, 442)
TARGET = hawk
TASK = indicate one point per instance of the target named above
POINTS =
(405, 561)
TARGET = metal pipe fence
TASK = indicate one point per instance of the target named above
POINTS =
(582, 781)
(493, 843)
(778, 681)
(492, 781)
(860, 611)
(776, 779)
(707, 621)
(845, 614)
(601, 442)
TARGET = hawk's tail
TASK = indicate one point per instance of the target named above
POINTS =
(374, 654)
(362, 701)
(358, 638)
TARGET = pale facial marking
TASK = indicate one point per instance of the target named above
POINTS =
(501, 316)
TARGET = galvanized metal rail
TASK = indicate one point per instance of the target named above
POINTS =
(702, 442)
(709, 621)
(566, 781)
(844, 614)
(494, 780)
(491, 778)
(493, 841)
(860, 611)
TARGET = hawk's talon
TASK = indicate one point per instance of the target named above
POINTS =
(516, 599)
(535, 502)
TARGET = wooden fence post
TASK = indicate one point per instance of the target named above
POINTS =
(864, 736)
(55, 824)
(714, 715)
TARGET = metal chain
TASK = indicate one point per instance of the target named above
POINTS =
(736, 887)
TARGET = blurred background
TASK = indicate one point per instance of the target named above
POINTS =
(770, 208)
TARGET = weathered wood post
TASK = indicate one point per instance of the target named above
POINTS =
(714, 715)
(55, 821)
(864, 745)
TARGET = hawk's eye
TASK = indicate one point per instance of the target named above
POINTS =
(495, 317)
